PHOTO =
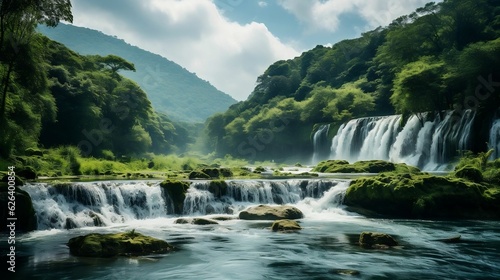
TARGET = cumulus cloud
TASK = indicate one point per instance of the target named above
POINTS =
(262, 4)
(192, 33)
(323, 15)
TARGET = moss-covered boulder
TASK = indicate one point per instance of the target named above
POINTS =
(117, 244)
(193, 175)
(176, 191)
(367, 166)
(376, 240)
(218, 188)
(285, 226)
(268, 212)
(27, 172)
(421, 196)
(470, 173)
(24, 211)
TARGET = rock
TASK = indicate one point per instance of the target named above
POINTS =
(218, 188)
(367, 166)
(285, 225)
(198, 175)
(176, 191)
(118, 244)
(25, 213)
(223, 218)
(268, 212)
(376, 239)
(97, 220)
(422, 196)
(470, 173)
(203, 221)
(196, 221)
(70, 224)
(27, 172)
(182, 221)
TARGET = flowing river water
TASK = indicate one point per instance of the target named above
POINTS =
(326, 247)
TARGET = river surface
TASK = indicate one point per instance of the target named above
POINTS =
(326, 247)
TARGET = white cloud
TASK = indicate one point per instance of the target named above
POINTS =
(262, 4)
(192, 33)
(323, 15)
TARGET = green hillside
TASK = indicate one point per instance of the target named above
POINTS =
(431, 60)
(172, 89)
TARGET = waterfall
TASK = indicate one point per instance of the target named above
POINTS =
(73, 205)
(320, 144)
(494, 142)
(427, 142)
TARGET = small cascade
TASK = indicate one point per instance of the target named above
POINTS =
(427, 142)
(94, 204)
(320, 144)
(494, 141)
(73, 205)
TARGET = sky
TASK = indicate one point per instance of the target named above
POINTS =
(231, 42)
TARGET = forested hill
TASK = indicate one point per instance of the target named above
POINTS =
(442, 56)
(172, 89)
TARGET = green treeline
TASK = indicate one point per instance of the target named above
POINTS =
(52, 96)
(443, 56)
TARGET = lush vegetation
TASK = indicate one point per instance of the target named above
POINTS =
(172, 89)
(443, 56)
(53, 97)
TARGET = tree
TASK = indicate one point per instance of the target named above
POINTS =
(115, 63)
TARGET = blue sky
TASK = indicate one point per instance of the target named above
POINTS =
(231, 42)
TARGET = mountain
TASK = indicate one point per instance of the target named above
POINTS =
(171, 88)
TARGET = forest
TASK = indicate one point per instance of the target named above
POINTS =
(53, 97)
(443, 56)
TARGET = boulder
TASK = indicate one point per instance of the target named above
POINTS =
(24, 211)
(285, 225)
(117, 244)
(196, 221)
(268, 212)
(96, 219)
(425, 196)
(176, 191)
(198, 175)
(376, 240)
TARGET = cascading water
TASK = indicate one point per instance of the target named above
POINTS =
(494, 142)
(105, 203)
(429, 143)
(320, 143)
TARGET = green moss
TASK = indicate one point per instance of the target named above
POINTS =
(218, 188)
(419, 196)
(176, 190)
(25, 213)
(369, 166)
(118, 244)
(470, 173)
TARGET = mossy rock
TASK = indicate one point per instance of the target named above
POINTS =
(218, 188)
(367, 166)
(176, 190)
(376, 240)
(285, 226)
(27, 172)
(117, 244)
(198, 175)
(419, 196)
(470, 173)
(196, 221)
(24, 212)
(268, 212)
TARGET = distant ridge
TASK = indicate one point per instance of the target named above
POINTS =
(172, 89)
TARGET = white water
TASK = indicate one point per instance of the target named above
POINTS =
(320, 138)
(494, 142)
(78, 204)
(428, 143)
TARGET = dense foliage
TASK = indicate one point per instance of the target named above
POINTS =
(52, 96)
(443, 56)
